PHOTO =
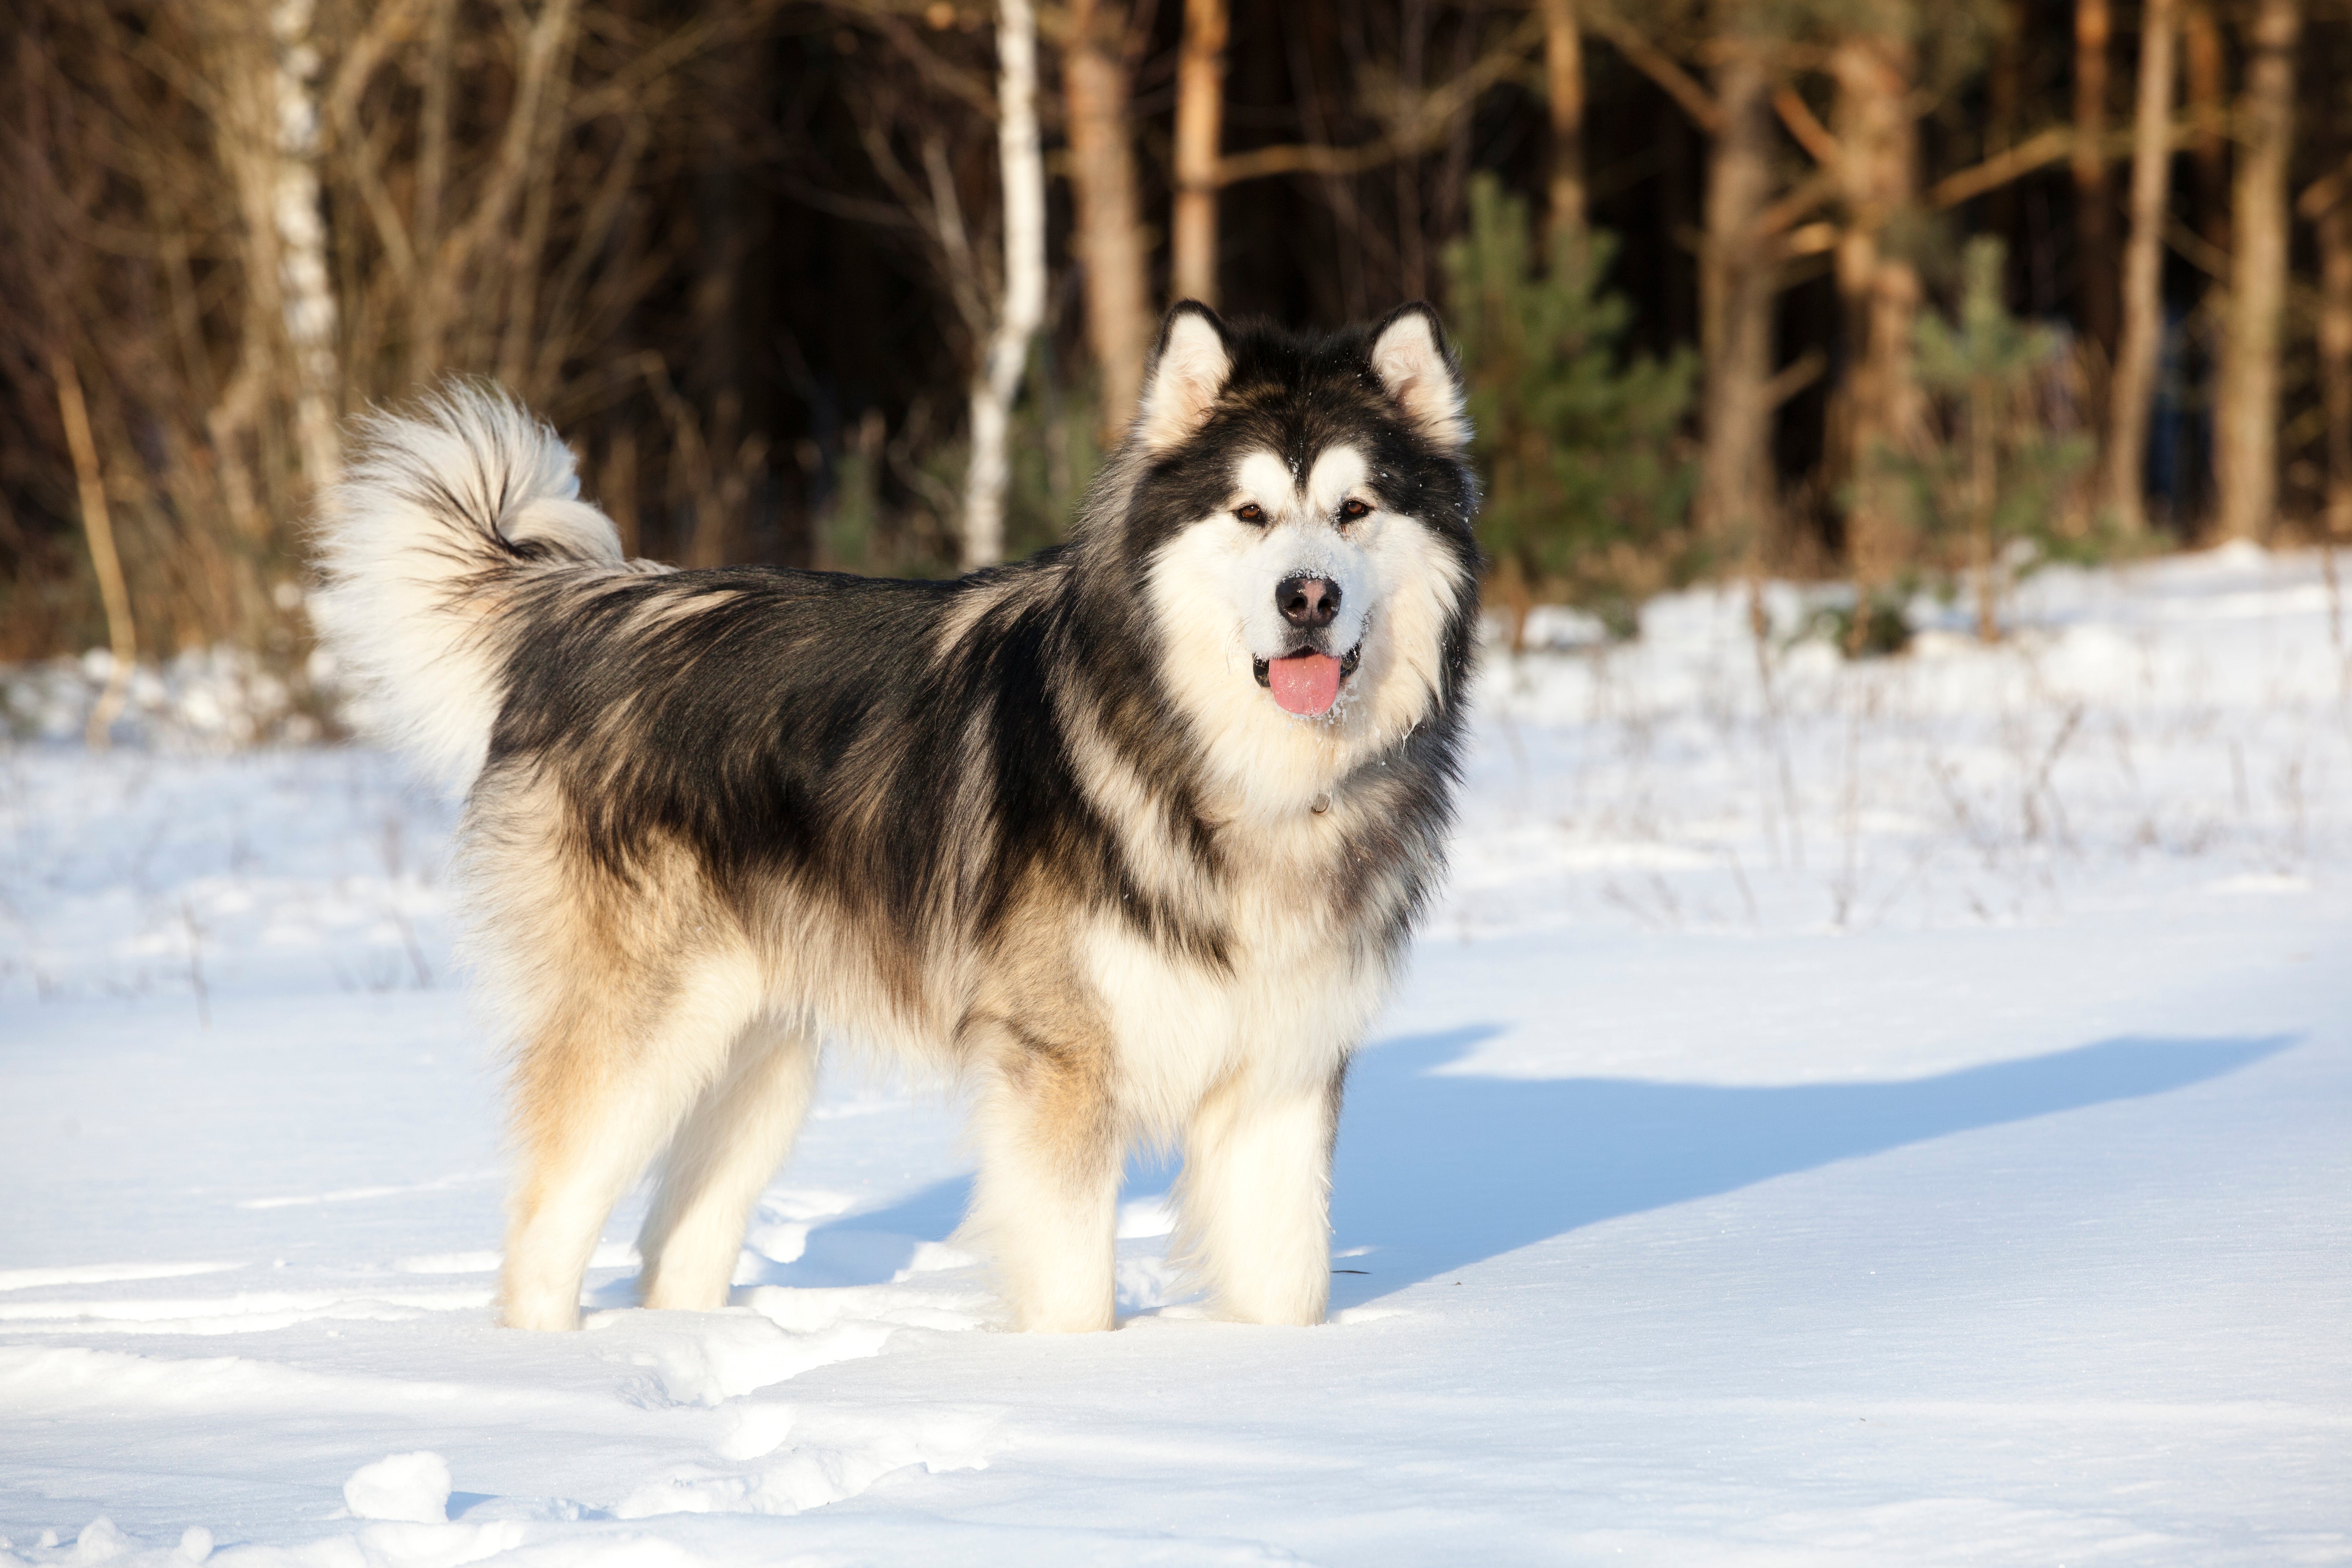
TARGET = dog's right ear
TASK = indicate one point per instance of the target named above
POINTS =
(1189, 366)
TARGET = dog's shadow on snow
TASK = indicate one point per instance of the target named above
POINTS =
(1437, 1170)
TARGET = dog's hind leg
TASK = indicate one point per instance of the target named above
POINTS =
(1254, 1200)
(597, 1090)
(1045, 1203)
(728, 1147)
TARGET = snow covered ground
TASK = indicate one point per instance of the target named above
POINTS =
(1885, 1113)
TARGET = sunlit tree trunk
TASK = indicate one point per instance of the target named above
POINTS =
(2134, 385)
(1109, 238)
(2246, 403)
(1024, 306)
(1200, 136)
(2094, 244)
(1736, 306)
(1879, 166)
(1564, 81)
(2335, 234)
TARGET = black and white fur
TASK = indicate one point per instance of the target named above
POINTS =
(1044, 829)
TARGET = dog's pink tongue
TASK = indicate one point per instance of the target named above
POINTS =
(1306, 683)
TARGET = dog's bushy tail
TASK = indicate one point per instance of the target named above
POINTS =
(444, 511)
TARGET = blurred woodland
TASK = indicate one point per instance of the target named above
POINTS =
(1898, 291)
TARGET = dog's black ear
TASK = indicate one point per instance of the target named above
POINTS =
(1415, 361)
(1189, 366)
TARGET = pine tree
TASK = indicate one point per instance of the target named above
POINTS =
(2002, 478)
(1589, 479)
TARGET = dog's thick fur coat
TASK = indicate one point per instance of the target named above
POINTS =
(1045, 829)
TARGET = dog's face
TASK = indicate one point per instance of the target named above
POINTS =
(1302, 520)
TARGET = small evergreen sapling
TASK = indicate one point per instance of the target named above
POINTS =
(1589, 477)
(2001, 477)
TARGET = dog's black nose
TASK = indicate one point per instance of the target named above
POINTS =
(1308, 601)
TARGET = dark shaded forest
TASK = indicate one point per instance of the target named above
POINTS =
(1831, 288)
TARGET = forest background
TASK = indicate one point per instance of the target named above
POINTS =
(1912, 295)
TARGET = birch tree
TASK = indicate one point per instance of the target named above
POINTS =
(308, 294)
(1024, 306)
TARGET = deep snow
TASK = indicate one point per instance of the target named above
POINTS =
(1891, 1113)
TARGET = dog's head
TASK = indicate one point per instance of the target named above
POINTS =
(1299, 516)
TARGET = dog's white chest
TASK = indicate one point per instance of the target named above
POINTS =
(1291, 1000)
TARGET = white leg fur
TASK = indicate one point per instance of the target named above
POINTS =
(1048, 1215)
(585, 1141)
(1254, 1200)
(730, 1143)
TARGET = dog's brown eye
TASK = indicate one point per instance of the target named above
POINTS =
(1253, 512)
(1354, 509)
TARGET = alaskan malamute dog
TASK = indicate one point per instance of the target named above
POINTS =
(1128, 838)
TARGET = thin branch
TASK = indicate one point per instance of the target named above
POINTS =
(1806, 127)
(2195, 249)
(1421, 124)
(2036, 151)
(365, 53)
(2320, 197)
(623, 87)
(1662, 68)
(1808, 193)
(967, 87)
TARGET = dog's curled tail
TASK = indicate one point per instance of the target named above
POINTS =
(444, 511)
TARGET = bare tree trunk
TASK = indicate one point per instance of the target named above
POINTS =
(2208, 91)
(1110, 238)
(2004, 102)
(1735, 307)
(1200, 139)
(2133, 386)
(2246, 403)
(1564, 80)
(1879, 164)
(2094, 244)
(2335, 233)
(1024, 307)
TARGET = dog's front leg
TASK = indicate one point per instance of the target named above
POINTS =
(1045, 1203)
(1255, 1199)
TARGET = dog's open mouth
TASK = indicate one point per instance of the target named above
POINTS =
(1307, 682)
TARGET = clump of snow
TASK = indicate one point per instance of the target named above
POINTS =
(195, 1543)
(201, 700)
(408, 1489)
(99, 1542)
